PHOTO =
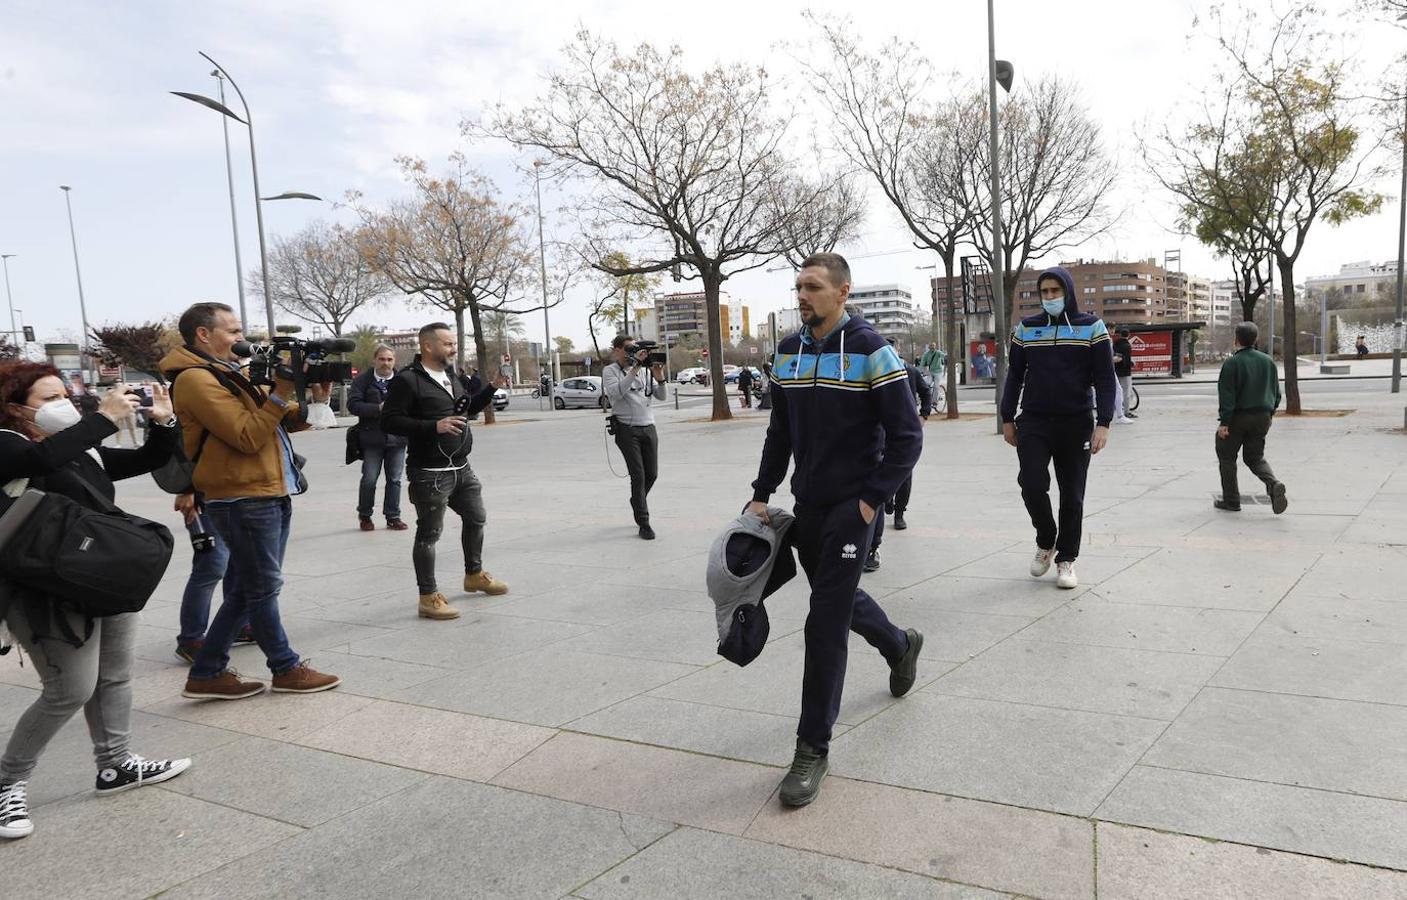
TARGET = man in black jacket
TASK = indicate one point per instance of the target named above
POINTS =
(379, 449)
(429, 403)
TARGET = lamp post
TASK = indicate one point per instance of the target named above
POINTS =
(542, 260)
(5, 259)
(82, 304)
(248, 123)
(1401, 244)
(999, 71)
(234, 215)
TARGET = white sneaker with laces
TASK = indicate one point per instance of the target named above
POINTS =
(1041, 563)
(1065, 575)
(14, 811)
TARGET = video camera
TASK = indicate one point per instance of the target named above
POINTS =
(306, 363)
(656, 357)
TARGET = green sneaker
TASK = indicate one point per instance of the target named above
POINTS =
(904, 673)
(803, 782)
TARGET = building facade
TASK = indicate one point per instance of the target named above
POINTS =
(687, 313)
(1364, 281)
(889, 308)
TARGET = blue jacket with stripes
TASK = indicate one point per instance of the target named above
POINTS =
(844, 410)
(1060, 366)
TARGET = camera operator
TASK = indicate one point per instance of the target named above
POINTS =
(246, 474)
(629, 386)
(430, 404)
(46, 442)
(379, 449)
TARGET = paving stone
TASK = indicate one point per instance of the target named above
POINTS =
(280, 717)
(949, 634)
(671, 785)
(1093, 620)
(432, 740)
(1309, 614)
(1093, 568)
(715, 730)
(1070, 676)
(1137, 864)
(1026, 852)
(699, 865)
(475, 639)
(439, 838)
(372, 676)
(1027, 599)
(1207, 579)
(1321, 823)
(547, 687)
(180, 838)
(1051, 759)
(1319, 667)
(1329, 744)
(667, 635)
(293, 784)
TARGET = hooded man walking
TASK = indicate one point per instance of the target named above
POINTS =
(842, 406)
(1061, 367)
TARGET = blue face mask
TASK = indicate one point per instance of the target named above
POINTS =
(1054, 307)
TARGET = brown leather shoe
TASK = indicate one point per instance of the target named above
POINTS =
(483, 581)
(304, 679)
(435, 606)
(396, 525)
(367, 525)
(228, 685)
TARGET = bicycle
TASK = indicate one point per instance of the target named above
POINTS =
(1133, 403)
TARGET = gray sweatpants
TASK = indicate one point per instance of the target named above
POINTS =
(96, 676)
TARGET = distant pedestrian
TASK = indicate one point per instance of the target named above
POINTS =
(379, 449)
(897, 504)
(631, 384)
(1123, 370)
(934, 363)
(1360, 346)
(766, 401)
(1061, 366)
(1248, 393)
(745, 386)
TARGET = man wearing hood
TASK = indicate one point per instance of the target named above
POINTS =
(843, 408)
(1062, 366)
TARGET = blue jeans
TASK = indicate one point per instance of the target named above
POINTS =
(207, 569)
(373, 460)
(256, 532)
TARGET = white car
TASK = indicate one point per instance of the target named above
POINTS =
(500, 400)
(689, 376)
(583, 391)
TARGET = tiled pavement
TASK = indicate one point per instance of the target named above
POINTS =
(1218, 711)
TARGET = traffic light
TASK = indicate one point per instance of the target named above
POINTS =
(28, 333)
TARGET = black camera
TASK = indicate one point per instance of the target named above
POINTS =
(461, 405)
(656, 357)
(202, 535)
(307, 361)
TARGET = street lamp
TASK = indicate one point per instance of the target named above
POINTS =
(82, 304)
(234, 215)
(5, 259)
(248, 123)
(542, 260)
(1401, 243)
(999, 72)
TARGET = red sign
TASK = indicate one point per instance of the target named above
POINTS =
(1152, 352)
(704, 352)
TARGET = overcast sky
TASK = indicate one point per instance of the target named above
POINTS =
(340, 87)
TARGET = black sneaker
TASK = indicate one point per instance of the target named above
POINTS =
(1278, 503)
(14, 811)
(889, 507)
(872, 561)
(899, 523)
(803, 782)
(137, 772)
(1229, 507)
(903, 673)
(647, 533)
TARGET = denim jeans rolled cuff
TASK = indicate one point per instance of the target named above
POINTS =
(256, 532)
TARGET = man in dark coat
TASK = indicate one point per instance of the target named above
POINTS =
(379, 449)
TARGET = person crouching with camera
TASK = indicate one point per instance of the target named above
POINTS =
(47, 444)
(630, 384)
(246, 474)
(430, 404)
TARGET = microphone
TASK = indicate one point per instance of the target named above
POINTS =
(336, 345)
(242, 349)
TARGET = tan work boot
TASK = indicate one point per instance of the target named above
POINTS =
(483, 581)
(304, 679)
(435, 606)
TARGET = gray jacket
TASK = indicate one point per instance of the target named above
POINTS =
(731, 591)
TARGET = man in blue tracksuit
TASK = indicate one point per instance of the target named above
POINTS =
(843, 408)
(1062, 366)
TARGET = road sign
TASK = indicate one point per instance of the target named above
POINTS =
(752, 350)
(704, 352)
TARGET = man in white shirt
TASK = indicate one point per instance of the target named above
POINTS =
(630, 386)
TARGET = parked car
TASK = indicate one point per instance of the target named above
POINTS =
(500, 400)
(689, 376)
(583, 391)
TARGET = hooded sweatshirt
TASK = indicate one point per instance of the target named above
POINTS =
(1060, 365)
(843, 408)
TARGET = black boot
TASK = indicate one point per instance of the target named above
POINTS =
(872, 560)
(899, 523)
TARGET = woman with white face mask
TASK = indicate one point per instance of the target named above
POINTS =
(46, 443)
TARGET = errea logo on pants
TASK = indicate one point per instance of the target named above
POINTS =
(847, 552)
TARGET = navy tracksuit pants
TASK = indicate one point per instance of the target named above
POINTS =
(831, 542)
(1064, 441)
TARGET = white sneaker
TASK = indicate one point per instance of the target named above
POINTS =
(1065, 575)
(14, 811)
(1041, 563)
(1123, 420)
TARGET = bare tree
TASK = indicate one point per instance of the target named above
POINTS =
(920, 149)
(319, 275)
(683, 166)
(817, 215)
(457, 247)
(138, 346)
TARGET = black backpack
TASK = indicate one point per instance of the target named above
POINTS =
(98, 563)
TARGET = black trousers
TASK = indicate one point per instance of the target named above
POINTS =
(432, 493)
(1247, 437)
(830, 542)
(1064, 441)
(640, 445)
(901, 503)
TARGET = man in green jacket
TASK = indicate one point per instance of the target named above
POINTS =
(1248, 394)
